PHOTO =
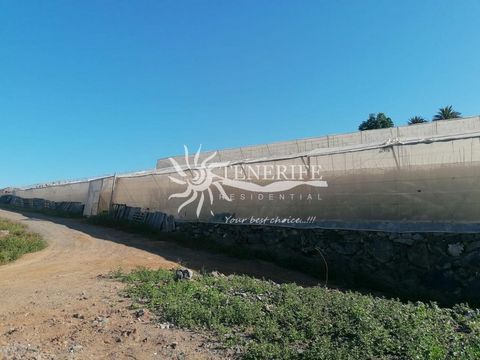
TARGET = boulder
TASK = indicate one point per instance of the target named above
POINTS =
(455, 249)
(183, 274)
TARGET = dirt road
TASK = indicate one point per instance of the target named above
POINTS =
(58, 303)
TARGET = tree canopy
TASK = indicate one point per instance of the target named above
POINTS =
(376, 121)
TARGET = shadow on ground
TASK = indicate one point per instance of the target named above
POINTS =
(195, 259)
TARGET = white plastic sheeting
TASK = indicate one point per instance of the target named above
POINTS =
(446, 127)
(421, 174)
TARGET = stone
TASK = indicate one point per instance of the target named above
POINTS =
(472, 246)
(4, 233)
(309, 250)
(183, 274)
(293, 241)
(75, 348)
(442, 280)
(348, 248)
(393, 236)
(168, 224)
(270, 238)
(455, 249)
(382, 250)
(139, 313)
(419, 256)
(473, 290)
(417, 237)
(254, 238)
(472, 260)
(408, 242)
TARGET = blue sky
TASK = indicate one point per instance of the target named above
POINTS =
(95, 87)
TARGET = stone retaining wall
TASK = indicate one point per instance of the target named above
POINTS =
(437, 266)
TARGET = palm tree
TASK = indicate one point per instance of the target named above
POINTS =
(446, 113)
(416, 120)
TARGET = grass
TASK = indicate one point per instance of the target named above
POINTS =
(18, 241)
(271, 321)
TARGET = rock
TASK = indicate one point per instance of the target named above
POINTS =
(270, 238)
(100, 320)
(382, 250)
(183, 274)
(348, 248)
(408, 242)
(4, 233)
(472, 291)
(455, 249)
(268, 307)
(168, 224)
(11, 331)
(127, 333)
(240, 293)
(79, 316)
(139, 313)
(442, 280)
(419, 256)
(173, 345)
(417, 237)
(254, 238)
(472, 260)
(472, 246)
(75, 348)
(394, 236)
(217, 274)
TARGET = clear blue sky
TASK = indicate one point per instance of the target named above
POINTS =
(93, 87)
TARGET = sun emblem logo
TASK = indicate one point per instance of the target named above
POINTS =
(200, 180)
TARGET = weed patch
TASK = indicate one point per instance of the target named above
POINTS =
(15, 241)
(271, 321)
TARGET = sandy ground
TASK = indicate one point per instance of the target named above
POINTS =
(59, 303)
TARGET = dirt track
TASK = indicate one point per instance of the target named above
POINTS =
(57, 303)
